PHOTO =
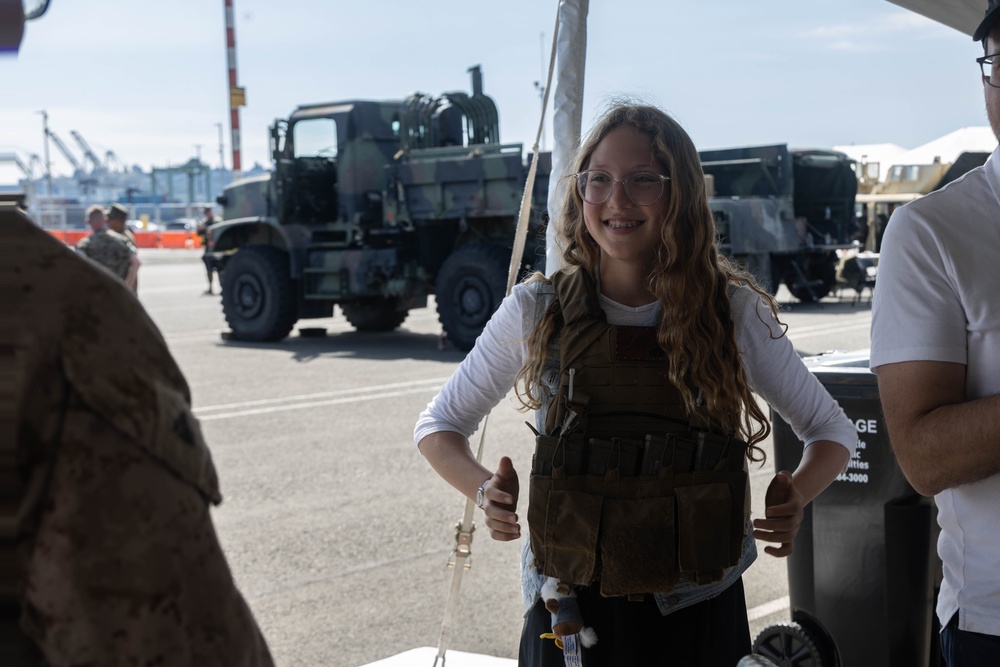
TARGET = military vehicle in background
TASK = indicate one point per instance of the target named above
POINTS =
(903, 183)
(373, 206)
(783, 213)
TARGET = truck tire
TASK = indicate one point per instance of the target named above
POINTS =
(765, 269)
(811, 279)
(258, 298)
(470, 286)
(379, 314)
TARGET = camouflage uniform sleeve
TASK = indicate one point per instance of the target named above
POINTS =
(121, 561)
(109, 250)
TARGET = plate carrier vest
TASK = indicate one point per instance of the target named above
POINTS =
(624, 489)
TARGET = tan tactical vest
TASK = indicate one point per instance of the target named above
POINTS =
(624, 490)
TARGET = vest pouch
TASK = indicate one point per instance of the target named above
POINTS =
(706, 503)
(563, 522)
(637, 541)
(545, 451)
(563, 516)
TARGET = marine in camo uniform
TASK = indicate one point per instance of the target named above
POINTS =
(117, 560)
(207, 258)
(105, 246)
(117, 217)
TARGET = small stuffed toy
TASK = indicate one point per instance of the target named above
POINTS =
(561, 602)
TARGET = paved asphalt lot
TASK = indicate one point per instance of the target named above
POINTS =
(336, 529)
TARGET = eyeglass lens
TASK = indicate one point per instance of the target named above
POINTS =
(642, 187)
(987, 64)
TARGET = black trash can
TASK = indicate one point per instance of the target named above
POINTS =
(863, 576)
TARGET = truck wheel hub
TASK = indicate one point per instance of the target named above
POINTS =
(249, 296)
(470, 299)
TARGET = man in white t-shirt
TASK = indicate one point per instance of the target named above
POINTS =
(936, 352)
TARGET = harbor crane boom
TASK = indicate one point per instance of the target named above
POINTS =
(98, 166)
(29, 169)
(64, 150)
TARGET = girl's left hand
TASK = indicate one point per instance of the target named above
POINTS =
(783, 511)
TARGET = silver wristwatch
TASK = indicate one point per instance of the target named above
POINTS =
(481, 494)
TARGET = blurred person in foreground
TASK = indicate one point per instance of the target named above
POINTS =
(109, 248)
(108, 554)
(203, 226)
(936, 352)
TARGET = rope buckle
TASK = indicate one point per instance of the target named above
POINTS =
(463, 547)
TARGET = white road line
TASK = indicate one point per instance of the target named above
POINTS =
(355, 395)
(825, 330)
(436, 382)
(768, 608)
(195, 289)
(199, 333)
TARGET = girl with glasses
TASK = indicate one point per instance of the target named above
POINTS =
(641, 358)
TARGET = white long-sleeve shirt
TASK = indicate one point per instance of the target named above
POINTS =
(772, 366)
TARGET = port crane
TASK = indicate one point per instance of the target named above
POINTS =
(89, 154)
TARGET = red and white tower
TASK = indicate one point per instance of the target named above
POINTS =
(237, 95)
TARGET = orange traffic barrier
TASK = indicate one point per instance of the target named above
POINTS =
(179, 240)
(147, 239)
(142, 239)
(68, 237)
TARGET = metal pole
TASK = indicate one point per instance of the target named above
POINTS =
(197, 157)
(48, 164)
(222, 160)
(234, 109)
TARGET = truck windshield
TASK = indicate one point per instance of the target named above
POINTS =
(315, 137)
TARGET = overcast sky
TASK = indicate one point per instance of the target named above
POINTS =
(148, 80)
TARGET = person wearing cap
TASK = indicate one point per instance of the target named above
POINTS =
(106, 246)
(117, 217)
(935, 348)
(207, 257)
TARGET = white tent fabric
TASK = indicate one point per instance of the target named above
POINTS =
(883, 154)
(567, 116)
(946, 149)
(962, 15)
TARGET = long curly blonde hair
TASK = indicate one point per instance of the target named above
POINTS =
(690, 277)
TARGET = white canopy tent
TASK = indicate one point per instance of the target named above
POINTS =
(962, 15)
(946, 149)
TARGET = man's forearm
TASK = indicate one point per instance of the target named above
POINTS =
(940, 439)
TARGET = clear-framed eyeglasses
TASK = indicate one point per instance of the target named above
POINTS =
(644, 188)
(987, 64)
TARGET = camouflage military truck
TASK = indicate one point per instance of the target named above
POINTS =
(372, 206)
(783, 213)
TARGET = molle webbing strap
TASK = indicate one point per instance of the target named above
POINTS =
(583, 318)
(604, 368)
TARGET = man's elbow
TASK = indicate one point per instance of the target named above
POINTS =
(925, 480)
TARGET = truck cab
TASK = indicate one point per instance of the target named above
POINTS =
(783, 213)
(372, 206)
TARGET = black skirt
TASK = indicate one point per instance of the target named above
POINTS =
(713, 633)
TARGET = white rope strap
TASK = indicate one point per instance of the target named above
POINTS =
(462, 553)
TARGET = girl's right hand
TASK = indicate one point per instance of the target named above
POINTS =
(500, 502)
